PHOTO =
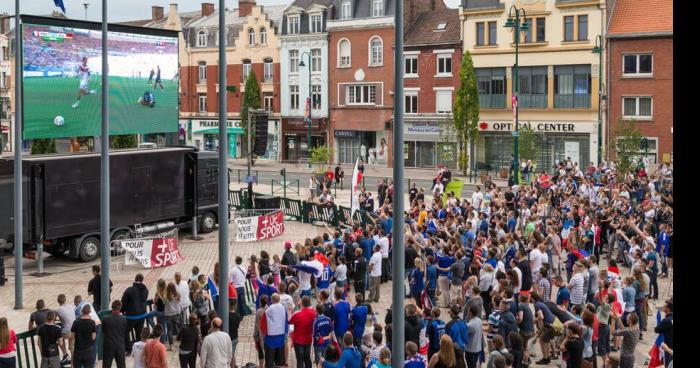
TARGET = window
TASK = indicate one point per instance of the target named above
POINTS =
(361, 94)
(493, 33)
(202, 102)
(293, 24)
(345, 9)
(411, 104)
(316, 23)
(443, 100)
(344, 52)
(294, 61)
(202, 38)
(636, 107)
(411, 66)
(267, 71)
(263, 36)
(268, 101)
(492, 87)
(247, 67)
(444, 64)
(532, 87)
(569, 28)
(572, 86)
(294, 97)
(637, 64)
(315, 60)
(376, 52)
(202, 67)
(583, 27)
(480, 34)
(377, 8)
(316, 97)
(440, 27)
(540, 29)
(251, 36)
(527, 35)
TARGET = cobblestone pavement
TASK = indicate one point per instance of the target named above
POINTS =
(71, 278)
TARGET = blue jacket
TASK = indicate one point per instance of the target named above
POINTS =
(457, 330)
(350, 358)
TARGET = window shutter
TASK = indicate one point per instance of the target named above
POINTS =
(284, 25)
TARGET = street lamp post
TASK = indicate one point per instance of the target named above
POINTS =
(598, 49)
(308, 102)
(515, 24)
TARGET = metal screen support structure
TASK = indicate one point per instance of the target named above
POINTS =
(398, 256)
(223, 173)
(18, 241)
(104, 170)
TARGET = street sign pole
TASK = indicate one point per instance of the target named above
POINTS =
(18, 241)
(223, 174)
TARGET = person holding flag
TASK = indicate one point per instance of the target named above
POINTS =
(664, 328)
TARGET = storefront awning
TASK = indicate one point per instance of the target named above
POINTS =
(216, 131)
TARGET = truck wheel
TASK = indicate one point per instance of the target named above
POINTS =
(89, 249)
(207, 223)
(120, 235)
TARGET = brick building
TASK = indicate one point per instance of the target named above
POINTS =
(361, 64)
(252, 45)
(432, 58)
(640, 53)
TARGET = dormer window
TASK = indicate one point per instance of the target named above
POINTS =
(377, 8)
(441, 27)
(316, 23)
(293, 24)
(202, 38)
(345, 9)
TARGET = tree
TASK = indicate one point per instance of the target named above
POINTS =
(43, 146)
(527, 149)
(251, 101)
(626, 145)
(320, 156)
(122, 141)
(466, 110)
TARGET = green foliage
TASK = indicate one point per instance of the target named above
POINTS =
(43, 146)
(627, 145)
(321, 156)
(251, 101)
(122, 141)
(527, 143)
(466, 110)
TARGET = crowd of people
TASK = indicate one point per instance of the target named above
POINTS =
(564, 271)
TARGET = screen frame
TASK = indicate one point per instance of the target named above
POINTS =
(89, 25)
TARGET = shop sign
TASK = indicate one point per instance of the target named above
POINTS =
(345, 134)
(423, 128)
(208, 124)
(300, 124)
(541, 127)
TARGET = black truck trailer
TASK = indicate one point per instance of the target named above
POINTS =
(151, 191)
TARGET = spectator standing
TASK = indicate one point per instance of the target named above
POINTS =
(322, 332)
(38, 317)
(137, 348)
(50, 340)
(274, 328)
(189, 338)
(134, 309)
(375, 274)
(154, 354)
(114, 331)
(183, 288)
(8, 339)
(302, 336)
(66, 314)
(474, 347)
(238, 279)
(84, 334)
(172, 312)
(95, 288)
(630, 337)
(234, 323)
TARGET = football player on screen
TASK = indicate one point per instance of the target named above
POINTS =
(84, 74)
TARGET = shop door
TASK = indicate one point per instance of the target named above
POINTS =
(409, 154)
(292, 148)
(232, 145)
(426, 154)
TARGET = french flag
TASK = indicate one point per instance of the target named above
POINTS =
(656, 354)
(213, 290)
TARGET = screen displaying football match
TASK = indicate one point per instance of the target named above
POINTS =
(63, 84)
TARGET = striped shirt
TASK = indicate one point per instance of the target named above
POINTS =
(576, 286)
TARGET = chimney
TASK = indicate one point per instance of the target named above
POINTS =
(207, 9)
(173, 21)
(245, 7)
(5, 25)
(156, 13)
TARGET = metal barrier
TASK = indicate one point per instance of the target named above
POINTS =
(321, 213)
(242, 173)
(283, 186)
(292, 209)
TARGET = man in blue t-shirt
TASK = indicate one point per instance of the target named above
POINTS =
(444, 261)
(322, 330)
(358, 316)
(324, 281)
(341, 314)
(431, 278)
(457, 330)
(563, 294)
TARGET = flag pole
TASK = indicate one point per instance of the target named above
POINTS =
(104, 171)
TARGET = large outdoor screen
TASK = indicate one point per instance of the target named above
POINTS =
(62, 89)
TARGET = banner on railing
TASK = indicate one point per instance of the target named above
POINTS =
(259, 227)
(151, 253)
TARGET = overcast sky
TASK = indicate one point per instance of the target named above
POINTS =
(123, 10)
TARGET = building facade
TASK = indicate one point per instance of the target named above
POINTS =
(304, 41)
(252, 45)
(6, 90)
(558, 79)
(432, 58)
(640, 54)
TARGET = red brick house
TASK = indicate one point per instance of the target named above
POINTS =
(432, 54)
(640, 72)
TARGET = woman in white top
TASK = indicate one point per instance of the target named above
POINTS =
(313, 184)
(172, 312)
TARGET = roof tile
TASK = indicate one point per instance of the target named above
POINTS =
(423, 29)
(647, 16)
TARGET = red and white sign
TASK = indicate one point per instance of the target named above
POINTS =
(151, 253)
(515, 108)
(259, 227)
